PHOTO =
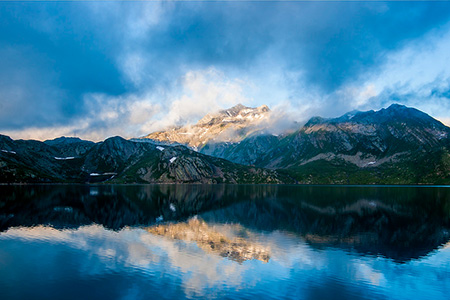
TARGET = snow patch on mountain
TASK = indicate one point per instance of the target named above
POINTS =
(64, 158)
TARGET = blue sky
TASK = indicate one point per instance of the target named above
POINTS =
(99, 69)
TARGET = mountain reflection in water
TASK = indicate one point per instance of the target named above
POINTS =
(401, 223)
(224, 241)
(211, 240)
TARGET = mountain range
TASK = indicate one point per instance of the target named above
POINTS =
(395, 145)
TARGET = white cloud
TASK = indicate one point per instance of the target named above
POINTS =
(108, 116)
(44, 133)
(201, 92)
(416, 75)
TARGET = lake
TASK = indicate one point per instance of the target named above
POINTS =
(224, 242)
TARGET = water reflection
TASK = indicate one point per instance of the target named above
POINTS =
(235, 242)
(401, 223)
(134, 264)
(211, 240)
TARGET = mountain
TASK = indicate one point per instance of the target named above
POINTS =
(362, 138)
(397, 144)
(34, 161)
(70, 146)
(230, 125)
(394, 145)
(117, 160)
(134, 162)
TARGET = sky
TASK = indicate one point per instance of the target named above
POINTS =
(100, 69)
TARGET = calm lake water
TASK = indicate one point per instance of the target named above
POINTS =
(224, 241)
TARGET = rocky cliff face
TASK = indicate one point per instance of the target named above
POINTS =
(230, 125)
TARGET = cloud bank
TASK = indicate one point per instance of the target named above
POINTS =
(100, 69)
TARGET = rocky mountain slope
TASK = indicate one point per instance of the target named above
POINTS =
(34, 161)
(393, 145)
(117, 160)
(363, 138)
(230, 125)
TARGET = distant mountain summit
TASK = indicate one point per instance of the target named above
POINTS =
(229, 125)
